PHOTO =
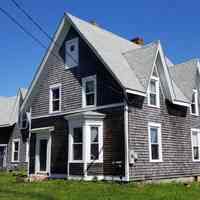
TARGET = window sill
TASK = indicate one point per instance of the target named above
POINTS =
(54, 112)
(195, 115)
(91, 106)
(153, 106)
(68, 68)
(196, 160)
(156, 161)
(15, 162)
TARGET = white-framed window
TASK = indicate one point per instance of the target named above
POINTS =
(15, 150)
(77, 144)
(55, 98)
(195, 136)
(194, 105)
(153, 92)
(72, 53)
(89, 91)
(96, 142)
(155, 142)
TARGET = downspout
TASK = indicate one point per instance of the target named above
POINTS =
(29, 138)
(126, 140)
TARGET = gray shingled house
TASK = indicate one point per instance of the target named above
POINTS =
(105, 107)
(13, 145)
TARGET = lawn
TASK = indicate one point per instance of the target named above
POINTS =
(71, 190)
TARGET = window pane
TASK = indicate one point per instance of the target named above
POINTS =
(77, 151)
(154, 135)
(196, 153)
(195, 138)
(94, 134)
(89, 86)
(154, 151)
(56, 105)
(56, 93)
(153, 99)
(77, 135)
(153, 86)
(15, 156)
(89, 99)
(94, 152)
(16, 146)
(193, 108)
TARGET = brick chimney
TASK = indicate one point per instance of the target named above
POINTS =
(93, 22)
(138, 40)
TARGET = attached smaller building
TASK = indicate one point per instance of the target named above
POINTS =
(13, 143)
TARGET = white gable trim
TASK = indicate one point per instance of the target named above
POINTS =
(40, 69)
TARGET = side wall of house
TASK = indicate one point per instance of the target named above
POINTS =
(176, 123)
(17, 134)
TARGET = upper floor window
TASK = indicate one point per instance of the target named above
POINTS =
(153, 92)
(55, 98)
(89, 91)
(195, 144)
(72, 53)
(155, 146)
(15, 150)
(194, 105)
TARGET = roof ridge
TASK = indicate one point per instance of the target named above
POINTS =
(143, 46)
(103, 29)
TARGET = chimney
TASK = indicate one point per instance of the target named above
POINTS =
(93, 22)
(138, 40)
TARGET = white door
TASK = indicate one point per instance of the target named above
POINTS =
(43, 153)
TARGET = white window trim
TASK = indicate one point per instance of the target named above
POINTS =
(157, 125)
(198, 135)
(84, 80)
(157, 92)
(98, 124)
(13, 142)
(196, 103)
(74, 124)
(76, 42)
(51, 98)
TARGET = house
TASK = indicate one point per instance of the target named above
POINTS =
(13, 146)
(103, 107)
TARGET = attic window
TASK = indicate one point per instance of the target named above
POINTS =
(71, 53)
(153, 92)
(194, 104)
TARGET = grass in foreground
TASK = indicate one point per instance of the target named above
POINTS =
(70, 190)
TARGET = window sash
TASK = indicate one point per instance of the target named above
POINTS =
(155, 144)
(194, 105)
(153, 97)
(15, 151)
(195, 145)
(94, 145)
(55, 103)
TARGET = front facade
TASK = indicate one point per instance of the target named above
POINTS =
(103, 107)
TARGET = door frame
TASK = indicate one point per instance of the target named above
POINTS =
(43, 135)
(6, 154)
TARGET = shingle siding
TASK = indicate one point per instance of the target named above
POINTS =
(108, 90)
(176, 123)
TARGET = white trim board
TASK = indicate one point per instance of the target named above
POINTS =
(81, 110)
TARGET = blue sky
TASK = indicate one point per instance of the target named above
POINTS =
(174, 22)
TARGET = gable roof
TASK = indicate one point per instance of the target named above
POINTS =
(185, 76)
(130, 64)
(9, 108)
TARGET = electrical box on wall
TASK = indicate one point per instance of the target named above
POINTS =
(133, 156)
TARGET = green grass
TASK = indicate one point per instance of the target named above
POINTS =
(74, 190)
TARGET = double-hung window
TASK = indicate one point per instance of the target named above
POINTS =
(77, 145)
(194, 105)
(15, 150)
(153, 92)
(89, 91)
(155, 146)
(195, 144)
(94, 143)
(55, 98)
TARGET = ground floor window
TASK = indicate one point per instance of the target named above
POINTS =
(15, 150)
(195, 144)
(155, 146)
